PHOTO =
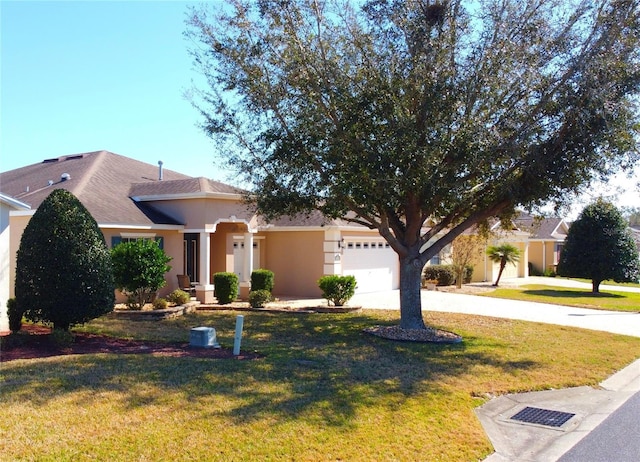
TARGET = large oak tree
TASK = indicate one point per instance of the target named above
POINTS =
(418, 118)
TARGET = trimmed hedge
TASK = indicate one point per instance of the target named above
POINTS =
(444, 274)
(226, 287)
(259, 298)
(15, 315)
(262, 279)
(337, 289)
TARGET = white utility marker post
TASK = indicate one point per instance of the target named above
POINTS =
(238, 337)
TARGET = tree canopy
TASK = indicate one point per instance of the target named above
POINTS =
(599, 246)
(398, 114)
(63, 268)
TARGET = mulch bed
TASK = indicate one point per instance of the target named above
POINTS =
(36, 342)
(428, 335)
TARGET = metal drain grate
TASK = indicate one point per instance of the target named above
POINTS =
(545, 417)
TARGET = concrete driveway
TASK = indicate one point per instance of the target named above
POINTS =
(626, 323)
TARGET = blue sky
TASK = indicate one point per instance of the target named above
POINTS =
(86, 76)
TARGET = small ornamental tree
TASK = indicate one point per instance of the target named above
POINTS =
(63, 268)
(466, 249)
(139, 267)
(599, 246)
(503, 254)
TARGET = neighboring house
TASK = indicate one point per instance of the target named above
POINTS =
(539, 240)
(203, 225)
(7, 204)
(547, 236)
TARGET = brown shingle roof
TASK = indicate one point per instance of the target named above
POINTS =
(189, 186)
(101, 180)
(541, 228)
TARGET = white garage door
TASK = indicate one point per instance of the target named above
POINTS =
(510, 271)
(373, 263)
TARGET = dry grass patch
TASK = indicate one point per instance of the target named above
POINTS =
(323, 391)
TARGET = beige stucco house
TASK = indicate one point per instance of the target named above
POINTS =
(206, 228)
(202, 224)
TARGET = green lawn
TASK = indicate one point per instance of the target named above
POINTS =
(605, 300)
(608, 283)
(323, 390)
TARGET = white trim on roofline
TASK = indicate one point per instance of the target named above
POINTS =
(315, 228)
(14, 203)
(21, 213)
(182, 196)
(146, 227)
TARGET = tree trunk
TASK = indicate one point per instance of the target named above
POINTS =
(502, 265)
(410, 285)
(595, 286)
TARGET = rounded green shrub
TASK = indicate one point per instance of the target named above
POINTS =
(444, 274)
(262, 279)
(160, 304)
(179, 297)
(468, 274)
(62, 338)
(15, 315)
(337, 289)
(226, 287)
(259, 298)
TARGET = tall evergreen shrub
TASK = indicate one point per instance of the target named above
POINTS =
(63, 269)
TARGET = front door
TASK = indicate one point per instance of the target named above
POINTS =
(190, 257)
(238, 256)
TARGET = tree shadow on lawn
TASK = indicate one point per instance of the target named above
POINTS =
(321, 364)
(551, 293)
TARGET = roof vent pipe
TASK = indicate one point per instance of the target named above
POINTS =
(160, 170)
(65, 177)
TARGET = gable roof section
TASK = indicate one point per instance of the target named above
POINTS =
(101, 180)
(183, 189)
(546, 229)
(312, 220)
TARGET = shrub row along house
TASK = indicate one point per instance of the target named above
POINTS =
(206, 228)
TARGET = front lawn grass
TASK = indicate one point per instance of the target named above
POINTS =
(323, 390)
(608, 282)
(605, 300)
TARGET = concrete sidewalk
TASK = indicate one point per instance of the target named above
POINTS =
(516, 441)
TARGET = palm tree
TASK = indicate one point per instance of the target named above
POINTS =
(503, 254)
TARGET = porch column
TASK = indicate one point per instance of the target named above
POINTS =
(332, 248)
(204, 264)
(544, 256)
(247, 267)
(204, 289)
(525, 258)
